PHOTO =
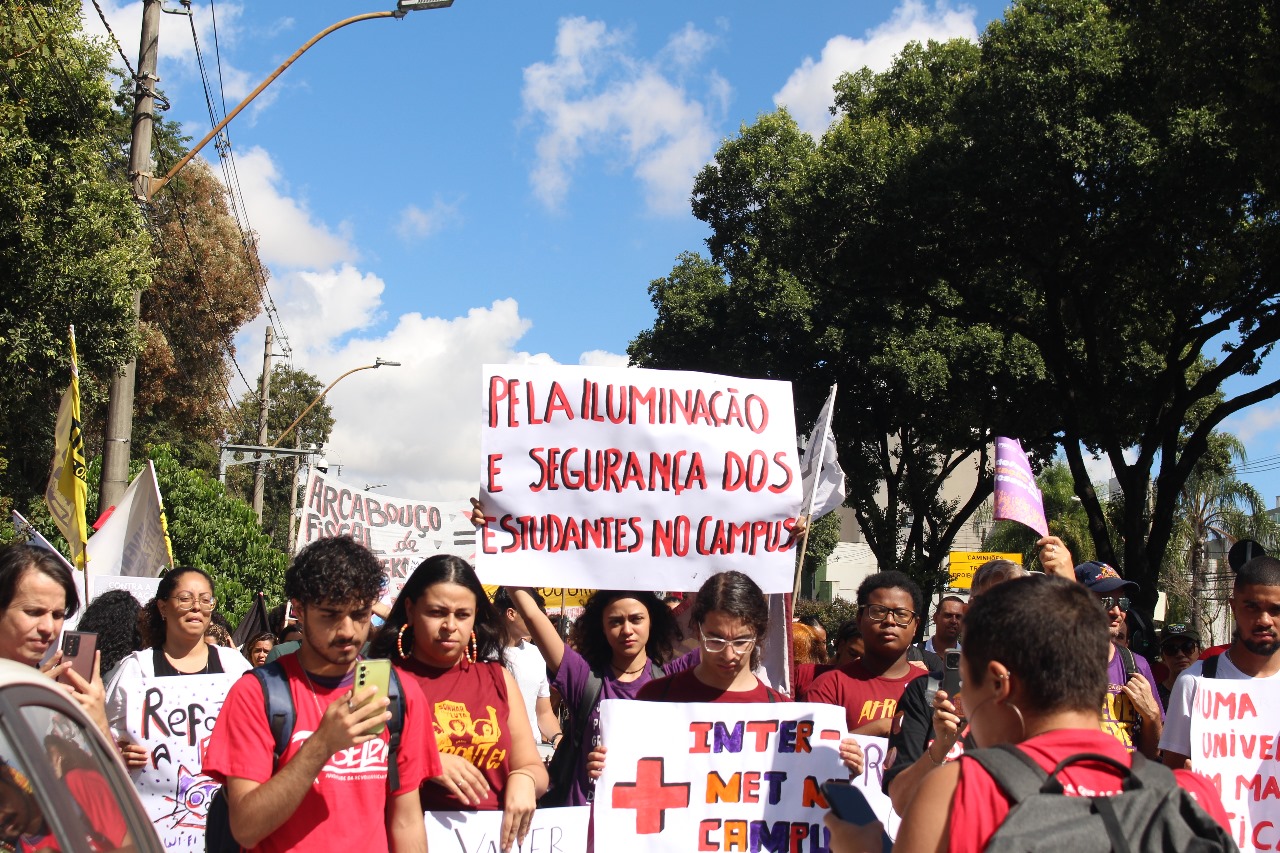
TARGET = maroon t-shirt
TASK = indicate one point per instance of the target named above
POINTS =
(685, 687)
(469, 713)
(864, 697)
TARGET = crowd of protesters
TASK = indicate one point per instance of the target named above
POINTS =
(473, 727)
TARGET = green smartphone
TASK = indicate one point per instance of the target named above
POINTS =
(377, 673)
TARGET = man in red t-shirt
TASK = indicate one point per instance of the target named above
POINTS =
(889, 604)
(330, 788)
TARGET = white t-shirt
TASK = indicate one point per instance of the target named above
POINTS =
(1177, 719)
(530, 672)
(139, 668)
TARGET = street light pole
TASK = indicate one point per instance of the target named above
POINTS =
(376, 364)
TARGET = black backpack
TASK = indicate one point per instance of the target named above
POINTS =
(564, 762)
(1151, 813)
(280, 716)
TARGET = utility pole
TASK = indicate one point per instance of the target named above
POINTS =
(119, 430)
(264, 393)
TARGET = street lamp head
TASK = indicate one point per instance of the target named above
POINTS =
(377, 362)
(415, 5)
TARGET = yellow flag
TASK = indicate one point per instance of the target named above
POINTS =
(67, 489)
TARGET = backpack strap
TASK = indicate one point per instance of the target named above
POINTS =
(1014, 772)
(582, 713)
(1210, 666)
(395, 727)
(1130, 665)
(278, 702)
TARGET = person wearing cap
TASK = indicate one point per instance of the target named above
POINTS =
(1255, 604)
(1132, 711)
(1179, 648)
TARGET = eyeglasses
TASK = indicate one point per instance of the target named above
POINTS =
(1186, 647)
(187, 601)
(717, 644)
(901, 616)
(1110, 601)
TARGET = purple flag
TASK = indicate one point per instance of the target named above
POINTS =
(1018, 497)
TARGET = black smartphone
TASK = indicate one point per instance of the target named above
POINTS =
(79, 648)
(850, 804)
(951, 674)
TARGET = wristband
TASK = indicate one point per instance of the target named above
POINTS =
(556, 738)
(936, 762)
(520, 771)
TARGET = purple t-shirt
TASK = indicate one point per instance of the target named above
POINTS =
(1119, 717)
(571, 681)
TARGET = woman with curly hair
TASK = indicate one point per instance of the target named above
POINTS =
(177, 620)
(113, 616)
(443, 633)
(622, 640)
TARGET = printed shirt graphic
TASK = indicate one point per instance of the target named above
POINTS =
(865, 698)
(1120, 718)
(469, 714)
(345, 807)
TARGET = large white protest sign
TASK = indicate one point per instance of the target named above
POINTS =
(173, 718)
(622, 479)
(1235, 741)
(401, 531)
(718, 776)
(551, 831)
(133, 540)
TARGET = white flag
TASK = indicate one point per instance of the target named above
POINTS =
(822, 475)
(133, 540)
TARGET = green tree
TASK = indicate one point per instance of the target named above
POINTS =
(292, 390)
(73, 244)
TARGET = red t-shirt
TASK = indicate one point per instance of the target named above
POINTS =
(979, 807)
(99, 805)
(685, 687)
(470, 715)
(345, 807)
(864, 697)
(805, 674)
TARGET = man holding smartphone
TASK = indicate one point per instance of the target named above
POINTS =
(329, 790)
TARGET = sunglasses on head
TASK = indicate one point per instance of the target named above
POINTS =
(1172, 647)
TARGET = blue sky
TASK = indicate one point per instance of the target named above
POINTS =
(498, 181)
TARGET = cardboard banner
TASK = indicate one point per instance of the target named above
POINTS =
(561, 830)
(964, 563)
(143, 589)
(618, 478)
(1234, 743)
(1017, 498)
(401, 531)
(133, 540)
(719, 777)
(173, 718)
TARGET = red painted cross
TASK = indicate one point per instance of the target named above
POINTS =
(650, 796)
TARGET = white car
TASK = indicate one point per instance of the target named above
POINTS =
(62, 785)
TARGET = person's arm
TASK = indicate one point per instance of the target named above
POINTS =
(1175, 739)
(946, 727)
(544, 633)
(260, 808)
(924, 827)
(91, 695)
(1139, 691)
(1175, 760)
(405, 828)
(548, 722)
(875, 728)
(527, 777)
(1055, 557)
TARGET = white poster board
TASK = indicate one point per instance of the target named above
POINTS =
(133, 540)
(719, 776)
(173, 718)
(1235, 742)
(617, 478)
(402, 532)
(561, 830)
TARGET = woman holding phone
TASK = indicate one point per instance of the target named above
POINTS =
(176, 622)
(443, 633)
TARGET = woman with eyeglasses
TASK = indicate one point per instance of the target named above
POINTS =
(177, 619)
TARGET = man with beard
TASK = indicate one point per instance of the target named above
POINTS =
(1255, 603)
(889, 605)
(1132, 712)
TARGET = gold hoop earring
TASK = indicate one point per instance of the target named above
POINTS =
(400, 641)
(472, 650)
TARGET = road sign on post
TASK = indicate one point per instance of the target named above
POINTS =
(965, 563)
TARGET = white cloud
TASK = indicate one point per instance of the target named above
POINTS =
(288, 234)
(1254, 422)
(602, 358)
(594, 97)
(417, 224)
(807, 94)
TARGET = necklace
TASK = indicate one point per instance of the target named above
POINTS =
(173, 661)
(622, 671)
(314, 699)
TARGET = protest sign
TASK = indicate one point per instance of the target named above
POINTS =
(1234, 742)
(143, 589)
(133, 540)
(1017, 497)
(720, 776)
(561, 830)
(964, 563)
(617, 478)
(401, 531)
(172, 719)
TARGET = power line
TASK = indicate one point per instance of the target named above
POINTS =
(133, 75)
